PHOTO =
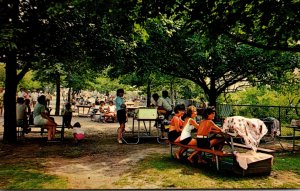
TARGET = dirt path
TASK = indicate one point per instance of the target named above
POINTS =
(96, 163)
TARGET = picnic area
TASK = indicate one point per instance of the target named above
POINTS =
(184, 94)
(99, 162)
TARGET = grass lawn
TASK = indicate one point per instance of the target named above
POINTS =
(28, 175)
(160, 171)
(168, 173)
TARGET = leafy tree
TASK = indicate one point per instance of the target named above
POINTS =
(58, 32)
(2, 74)
(213, 65)
(29, 83)
(264, 96)
(271, 25)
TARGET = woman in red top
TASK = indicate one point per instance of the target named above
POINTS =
(176, 124)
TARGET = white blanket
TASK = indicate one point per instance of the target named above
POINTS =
(250, 129)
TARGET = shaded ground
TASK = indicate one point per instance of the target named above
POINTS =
(98, 162)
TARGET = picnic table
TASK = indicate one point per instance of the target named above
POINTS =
(146, 119)
(81, 110)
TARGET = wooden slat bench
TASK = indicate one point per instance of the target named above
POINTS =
(41, 130)
(214, 153)
(263, 150)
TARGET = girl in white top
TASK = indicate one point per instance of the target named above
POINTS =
(188, 125)
(111, 111)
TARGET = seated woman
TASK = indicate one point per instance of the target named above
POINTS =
(188, 125)
(40, 117)
(206, 127)
(111, 112)
(176, 124)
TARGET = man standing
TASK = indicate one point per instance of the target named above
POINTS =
(34, 96)
(21, 93)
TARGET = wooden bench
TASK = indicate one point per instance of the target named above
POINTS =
(263, 150)
(214, 153)
(41, 130)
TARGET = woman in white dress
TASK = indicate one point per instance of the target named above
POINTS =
(41, 117)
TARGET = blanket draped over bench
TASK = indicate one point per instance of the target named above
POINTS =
(251, 130)
(251, 157)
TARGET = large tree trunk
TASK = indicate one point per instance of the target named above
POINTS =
(212, 99)
(9, 135)
(212, 94)
(148, 93)
(172, 92)
(57, 104)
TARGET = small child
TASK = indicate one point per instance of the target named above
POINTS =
(78, 132)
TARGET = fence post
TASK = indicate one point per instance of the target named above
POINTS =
(279, 111)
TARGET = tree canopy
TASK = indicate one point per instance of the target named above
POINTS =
(271, 25)
(213, 43)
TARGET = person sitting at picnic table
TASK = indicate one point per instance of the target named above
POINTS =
(101, 112)
(176, 124)
(40, 117)
(165, 95)
(163, 107)
(206, 128)
(188, 125)
(111, 112)
(21, 115)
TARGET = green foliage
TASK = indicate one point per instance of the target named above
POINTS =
(264, 24)
(214, 65)
(28, 82)
(2, 74)
(104, 84)
(263, 96)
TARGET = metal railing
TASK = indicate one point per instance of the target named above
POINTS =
(283, 113)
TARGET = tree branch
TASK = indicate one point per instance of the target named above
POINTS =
(23, 72)
(265, 47)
